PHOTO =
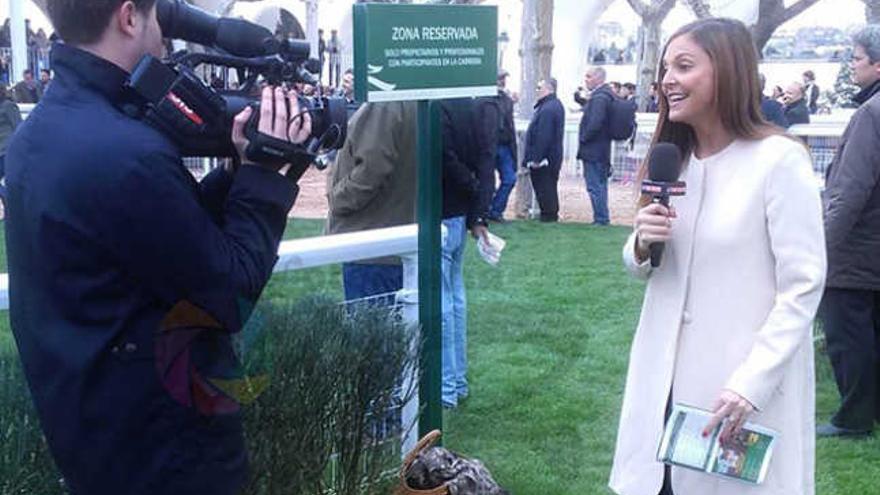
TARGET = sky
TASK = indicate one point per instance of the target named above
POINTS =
(833, 13)
(836, 13)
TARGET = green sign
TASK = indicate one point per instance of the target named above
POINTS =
(424, 52)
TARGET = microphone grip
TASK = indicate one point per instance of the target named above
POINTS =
(656, 253)
(658, 247)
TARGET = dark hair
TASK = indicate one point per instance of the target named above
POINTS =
(737, 88)
(551, 81)
(810, 75)
(4, 94)
(83, 21)
(630, 86)
(47, 71)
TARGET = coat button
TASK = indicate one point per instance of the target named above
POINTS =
(686, 318)
(130, 347)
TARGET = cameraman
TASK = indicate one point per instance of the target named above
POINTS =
(126, 275)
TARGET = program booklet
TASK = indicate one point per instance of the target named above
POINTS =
(745, 457)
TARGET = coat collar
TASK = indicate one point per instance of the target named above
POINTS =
(89, 70)
(550, 97)
(866, 94)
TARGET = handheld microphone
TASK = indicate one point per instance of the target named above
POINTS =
(664, 167)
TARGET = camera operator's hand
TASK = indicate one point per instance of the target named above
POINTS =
(274, 121)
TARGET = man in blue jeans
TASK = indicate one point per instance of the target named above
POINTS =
(470, 132)
(594, 140)
(505, 161)
(372, 186)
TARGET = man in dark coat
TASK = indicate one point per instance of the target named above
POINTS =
(470, 138)
(506, 159)
(126, 276)
(543, 153)
(594, 140)
(851, 304)
(28, 90)
(772, 110)
(811, 91)
(796, 109)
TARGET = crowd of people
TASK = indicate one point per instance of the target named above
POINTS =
(38, 43)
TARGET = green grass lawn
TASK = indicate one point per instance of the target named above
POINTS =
(549, 332)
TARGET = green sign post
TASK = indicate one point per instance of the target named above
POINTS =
(426, 52)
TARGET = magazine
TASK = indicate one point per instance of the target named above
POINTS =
(744, 457)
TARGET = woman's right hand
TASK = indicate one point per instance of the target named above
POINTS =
(653, 223)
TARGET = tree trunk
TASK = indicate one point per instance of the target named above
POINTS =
(872, 11)
(771, 15)
(536, 50)
(536, 53)
(648, 54)
(648, 58)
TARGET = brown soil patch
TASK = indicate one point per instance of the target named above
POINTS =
(574, 204)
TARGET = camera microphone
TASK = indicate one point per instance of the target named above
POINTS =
(238, 37)
(664, 167)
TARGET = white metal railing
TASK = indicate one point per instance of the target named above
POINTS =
(822, 135)
(313, 252)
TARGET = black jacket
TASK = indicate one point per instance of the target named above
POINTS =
(126, 278)
(10, 118)
(811, 93)
(545, 132)
(594, 141)
(852, 200)
(470, 141)
(797, 113)
(506, 125)
(773, 112)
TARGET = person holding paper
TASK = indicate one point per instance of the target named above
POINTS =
(727, 316)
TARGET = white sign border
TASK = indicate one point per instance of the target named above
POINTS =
(431, 93)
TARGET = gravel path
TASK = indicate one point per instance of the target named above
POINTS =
(574, 203)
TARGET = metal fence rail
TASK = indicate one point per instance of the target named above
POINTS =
(822, 137)
(313, 252)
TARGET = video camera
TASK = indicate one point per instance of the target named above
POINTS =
(199, 118)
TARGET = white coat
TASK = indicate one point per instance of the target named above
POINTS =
(731, 306)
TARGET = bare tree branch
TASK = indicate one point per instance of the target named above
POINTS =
(771, 15)
(655, 8)
(796, 9)
(699, 8)
(872, 11)
(640, 8)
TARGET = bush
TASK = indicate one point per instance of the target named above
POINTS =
(336, 372)
(317, 381)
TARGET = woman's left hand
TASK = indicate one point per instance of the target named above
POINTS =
(733, 407)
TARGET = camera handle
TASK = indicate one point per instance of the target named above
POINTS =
(273, 152)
